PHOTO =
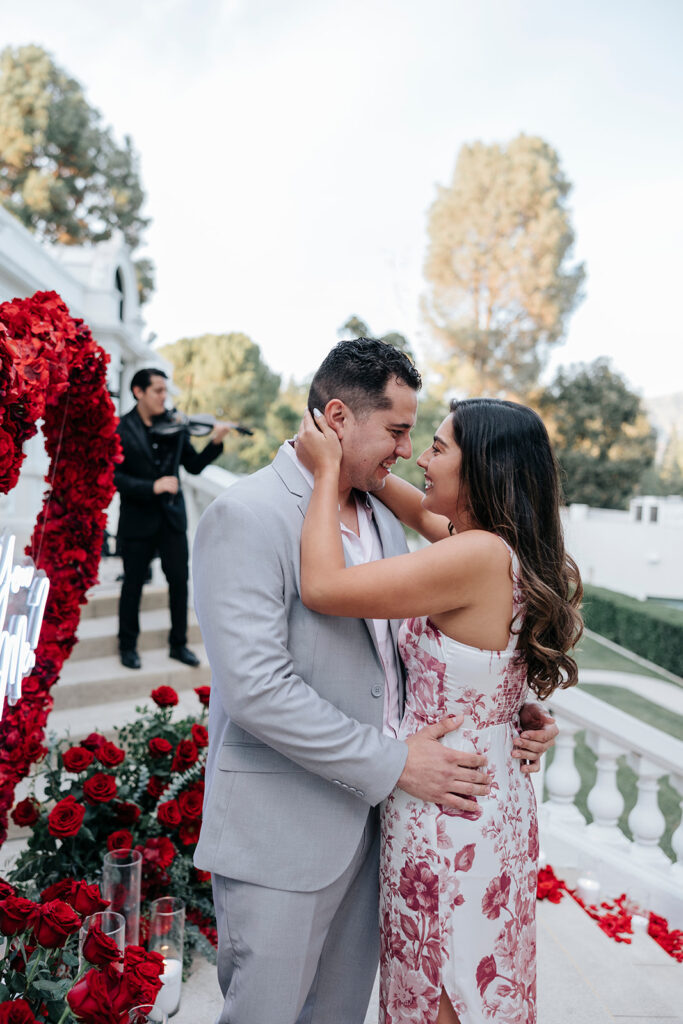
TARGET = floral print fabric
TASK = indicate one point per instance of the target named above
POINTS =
(457, 890)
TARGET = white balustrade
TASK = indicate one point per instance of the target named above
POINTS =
(605, 801)
(562, 777)
(639, 867)
(646, 821)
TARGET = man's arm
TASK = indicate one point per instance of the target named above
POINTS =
(193, 461)
(239, 583)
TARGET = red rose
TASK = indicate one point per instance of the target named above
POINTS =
(55, 923)
(17, 1011)
(202, 876)
(93, 741)
(158, 853)
(158, 746)
(100, 949)
(165, 696)
(77, 759)
(200, 734)
(91, 998)
(203, 693)
(57, 891)
(156, 786)
(126, 813)
(121, 840)
(190, 803)
(6, 889)
(168, 813)
(26, 812)
(109, 754)
(16, 915)
(99, 788)
(86, 899)
(142, 972)
(65, 818)
(188, 832)
(186, 755)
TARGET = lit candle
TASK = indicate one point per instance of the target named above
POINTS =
(589, 890)
(168, 998)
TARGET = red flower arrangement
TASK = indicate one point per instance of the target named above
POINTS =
(40, 977)
(52, 369)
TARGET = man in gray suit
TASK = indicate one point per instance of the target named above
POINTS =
(304, 717)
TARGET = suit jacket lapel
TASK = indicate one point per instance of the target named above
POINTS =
(138, 429)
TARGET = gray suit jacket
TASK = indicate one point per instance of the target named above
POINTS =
(296, 753)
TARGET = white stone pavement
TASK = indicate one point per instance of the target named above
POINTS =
(669, 695)
(584, 977)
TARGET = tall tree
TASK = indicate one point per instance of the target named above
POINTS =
(225, 374)
(500, 285)
(602, 438)
(666, 476)
(61, 172)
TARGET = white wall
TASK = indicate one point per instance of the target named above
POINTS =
(639, 558)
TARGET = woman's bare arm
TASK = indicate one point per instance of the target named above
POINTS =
(405, 501)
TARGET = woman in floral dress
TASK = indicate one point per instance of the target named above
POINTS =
(490, 612)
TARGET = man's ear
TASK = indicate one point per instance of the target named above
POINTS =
(336, 414)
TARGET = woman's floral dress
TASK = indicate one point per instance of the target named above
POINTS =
(458, 890)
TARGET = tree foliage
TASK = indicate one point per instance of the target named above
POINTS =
(601, 436)
(225, 374)
(61, 172)
(666, 476)
(357, 328)
(500, 287)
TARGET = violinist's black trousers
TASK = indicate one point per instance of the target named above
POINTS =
(137, 553)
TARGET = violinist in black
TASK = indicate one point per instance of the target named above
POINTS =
(153, 519)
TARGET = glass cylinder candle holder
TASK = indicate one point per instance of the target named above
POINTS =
(167, 936)
(121, 877)
(110, 923)
(146, 1013)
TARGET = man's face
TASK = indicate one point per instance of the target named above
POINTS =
(152, 401)
(372, 444)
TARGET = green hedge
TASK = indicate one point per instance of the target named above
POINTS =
(652, 630)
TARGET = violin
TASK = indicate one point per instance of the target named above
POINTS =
(198, 424)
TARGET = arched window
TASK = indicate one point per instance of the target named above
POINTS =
(118, 284)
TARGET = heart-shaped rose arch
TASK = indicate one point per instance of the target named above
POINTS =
(52, 369)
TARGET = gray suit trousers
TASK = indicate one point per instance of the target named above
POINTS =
(300, 957)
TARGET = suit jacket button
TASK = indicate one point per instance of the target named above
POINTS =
(377, 690)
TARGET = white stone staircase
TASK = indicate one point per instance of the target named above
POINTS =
(94, 690)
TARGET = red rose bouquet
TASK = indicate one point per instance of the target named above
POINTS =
(40, 977)
(145, 791)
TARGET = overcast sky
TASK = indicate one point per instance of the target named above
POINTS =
(291, 148)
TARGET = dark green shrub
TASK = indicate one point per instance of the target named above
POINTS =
(652, 630)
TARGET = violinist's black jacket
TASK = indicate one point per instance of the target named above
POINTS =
(146, 457)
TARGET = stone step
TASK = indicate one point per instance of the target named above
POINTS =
(78, 722)
(103, 681)
(97, 635)
(103, 600)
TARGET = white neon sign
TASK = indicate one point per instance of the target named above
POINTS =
(23, 596)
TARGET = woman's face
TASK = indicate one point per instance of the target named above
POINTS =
(444, 492)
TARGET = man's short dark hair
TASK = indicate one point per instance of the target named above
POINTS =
(357, 372)
(143, 378)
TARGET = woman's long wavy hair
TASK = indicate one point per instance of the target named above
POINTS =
(511, 485)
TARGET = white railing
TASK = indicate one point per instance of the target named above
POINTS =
(201, 490)
(637, 866)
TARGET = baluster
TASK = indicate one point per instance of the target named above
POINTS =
(562, 778)
(677, 837)
(605, 802)
(646, 821)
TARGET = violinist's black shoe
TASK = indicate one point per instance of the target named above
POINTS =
(130, 659)
(185, 655)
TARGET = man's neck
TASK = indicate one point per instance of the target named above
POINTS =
(145, 417)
